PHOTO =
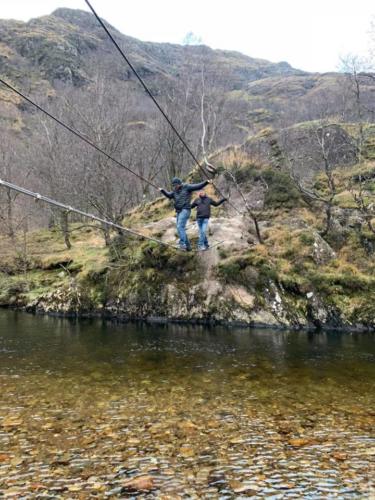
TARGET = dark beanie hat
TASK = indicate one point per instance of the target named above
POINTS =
(176, 180)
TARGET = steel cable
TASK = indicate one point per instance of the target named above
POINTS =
(128, 62)
(76, 133)
(68, 208)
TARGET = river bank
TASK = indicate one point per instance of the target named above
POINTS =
(159, 320)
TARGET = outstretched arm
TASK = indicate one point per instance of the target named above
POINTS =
(194, 204)
(197, 187)
(218, 203)
(168, 194)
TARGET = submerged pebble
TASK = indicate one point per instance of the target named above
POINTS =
(187, 413)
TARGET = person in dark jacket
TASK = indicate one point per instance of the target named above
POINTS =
(181, 195)
(203, 204)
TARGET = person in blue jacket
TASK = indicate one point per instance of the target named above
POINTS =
(181, 195)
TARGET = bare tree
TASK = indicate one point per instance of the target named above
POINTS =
(13, 168)
(210, 112)
(173, 154)
(363, 200)
(76, 173)
(326, 142)
(213, 116)
(253, 200)
(357, 74)
(54, 168)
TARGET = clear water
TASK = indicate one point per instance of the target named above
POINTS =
(206, 413)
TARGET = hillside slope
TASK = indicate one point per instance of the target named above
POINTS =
(68, 47)
(296, 277)
(57, 46)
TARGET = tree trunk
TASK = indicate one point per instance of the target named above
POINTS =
(369, 223)
(257, 228)
(106, 235)
(64, 225)
(10, 229)
(328, 220)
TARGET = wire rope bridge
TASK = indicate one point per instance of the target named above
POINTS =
(8, 185)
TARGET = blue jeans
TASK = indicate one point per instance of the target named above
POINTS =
(181, 221)
(202, 226)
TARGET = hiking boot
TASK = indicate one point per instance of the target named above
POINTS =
(201, 249)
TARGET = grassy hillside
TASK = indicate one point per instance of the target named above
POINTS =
(295, 277)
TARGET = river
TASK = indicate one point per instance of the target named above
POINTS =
(87, 406)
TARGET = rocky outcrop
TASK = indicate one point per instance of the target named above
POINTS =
(299, 146)
(211, 303)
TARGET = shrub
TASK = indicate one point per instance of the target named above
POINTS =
(250, 270)
(229, 270)
(282, 191)
(307, 238)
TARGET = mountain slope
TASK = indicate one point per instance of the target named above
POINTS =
(68, 47)
(57, 45)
